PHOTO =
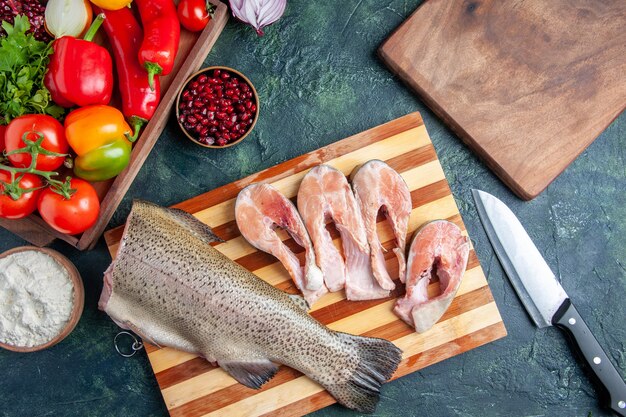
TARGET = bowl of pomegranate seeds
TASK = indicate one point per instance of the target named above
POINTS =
(217, 107)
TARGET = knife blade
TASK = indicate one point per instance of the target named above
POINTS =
(542, 295)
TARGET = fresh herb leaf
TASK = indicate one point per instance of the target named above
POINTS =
(23, 64)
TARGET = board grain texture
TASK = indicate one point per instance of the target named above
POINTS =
(527, 84)
(193, 48)
(192, 387)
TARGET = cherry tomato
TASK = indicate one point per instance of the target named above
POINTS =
(74, 215)
(26, 203)
(195, 14)
(32, 125)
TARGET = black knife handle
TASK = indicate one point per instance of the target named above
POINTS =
(568, 319)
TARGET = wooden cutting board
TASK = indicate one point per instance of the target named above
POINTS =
(527, 84)
(193, 387)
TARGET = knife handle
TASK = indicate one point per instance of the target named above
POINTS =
(568, 319)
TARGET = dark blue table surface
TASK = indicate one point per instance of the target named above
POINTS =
(319, 80)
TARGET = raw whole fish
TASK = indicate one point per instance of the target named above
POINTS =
(261, 209)
(172, 288)
(438, 249)
(377, 187)
(326, 195)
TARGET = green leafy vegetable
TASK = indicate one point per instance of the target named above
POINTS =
(23, 64)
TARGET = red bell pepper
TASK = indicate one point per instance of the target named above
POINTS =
(80, 72)
(139, 101)
(161, 36)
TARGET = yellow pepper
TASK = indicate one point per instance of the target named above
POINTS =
(99, 136)
(111, 4)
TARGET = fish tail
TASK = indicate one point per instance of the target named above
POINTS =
(378, 360)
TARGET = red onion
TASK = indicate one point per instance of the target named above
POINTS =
(258, 13)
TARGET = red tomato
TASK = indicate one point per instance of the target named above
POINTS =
(194, 14)
(32, 125)
(2, 129)
(26, 203)
(71, 216)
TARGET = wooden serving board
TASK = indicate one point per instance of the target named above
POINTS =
(527, 84)
(191, 386)
(193, 49)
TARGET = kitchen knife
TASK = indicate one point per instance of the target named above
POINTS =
(542, 295)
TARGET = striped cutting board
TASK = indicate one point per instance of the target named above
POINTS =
(193, 387)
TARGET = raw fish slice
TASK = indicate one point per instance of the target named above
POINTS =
(438, 248)
(261, 209)
(378, 187)
(326, 195)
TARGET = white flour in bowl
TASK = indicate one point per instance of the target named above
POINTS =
(36, 298)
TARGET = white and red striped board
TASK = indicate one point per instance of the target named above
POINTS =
(192, 387)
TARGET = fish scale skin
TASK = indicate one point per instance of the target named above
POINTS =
(176, 290)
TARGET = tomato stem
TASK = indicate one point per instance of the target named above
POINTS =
(34, 148)
(210, 8)
(63, 188)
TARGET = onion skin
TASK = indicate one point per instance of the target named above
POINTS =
(258, 13)
(68, 17)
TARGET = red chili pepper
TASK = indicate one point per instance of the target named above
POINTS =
(161, 36)
(139, 101)
(80, 72)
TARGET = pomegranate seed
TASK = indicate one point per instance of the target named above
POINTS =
(217, 107)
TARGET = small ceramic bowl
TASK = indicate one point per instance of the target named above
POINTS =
(208, 70)
(79, 297)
